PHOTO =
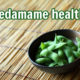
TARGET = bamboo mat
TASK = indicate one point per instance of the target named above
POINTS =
(16, 36)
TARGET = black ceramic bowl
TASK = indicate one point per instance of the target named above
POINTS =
(50, 36)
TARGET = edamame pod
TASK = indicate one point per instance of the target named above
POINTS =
(70, 43)
(52, 47)
(54, 56)
(56, 46)
(60, 38)
(44, 52)
(52, 64)
(71, 59)
(61, 53)
(76, 54)
(43, 46)
(55, 40)
(78, 41)
(48, 43)
(60, 62)
(43, 60)
(67, 51)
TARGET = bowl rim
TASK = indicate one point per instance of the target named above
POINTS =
(65, 65)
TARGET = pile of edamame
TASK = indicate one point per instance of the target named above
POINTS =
(58, 52)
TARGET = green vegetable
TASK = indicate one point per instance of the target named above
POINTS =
(71, 59)
(48, 43)
(54, 56)
(59, 52)
(59, 38)
(52, 64)
(76, 54)
(44, 45)
(70, 43)
(56, 46)
(44, 52)
(60, 63)
(78, 42)
(43, 60)
(67, 51)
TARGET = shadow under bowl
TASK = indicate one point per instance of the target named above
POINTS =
(50, 36)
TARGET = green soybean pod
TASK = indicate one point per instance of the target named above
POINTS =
(76, 54)
(52, 47)
(60, 38)
(44, 52)
(56, 46)
(43, 46)
(71, 59)
(54, 56)
(61, 53)
(48, 43)
(70, 43)
(55, 39)
(67, 51)
(42, 60)
(52, 64)
(78, 41)
(59, 45)
(60, 63)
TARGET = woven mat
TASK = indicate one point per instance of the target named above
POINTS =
(16, 36)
